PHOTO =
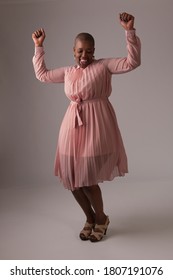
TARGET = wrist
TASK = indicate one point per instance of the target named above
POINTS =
(38, 45)
(128, 29)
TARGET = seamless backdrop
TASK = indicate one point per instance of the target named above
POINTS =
(31, 112)
(38, 218)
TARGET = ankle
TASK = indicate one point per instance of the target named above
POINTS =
(101, 218)
(91, 219)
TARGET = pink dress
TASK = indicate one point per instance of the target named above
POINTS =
(90, 149)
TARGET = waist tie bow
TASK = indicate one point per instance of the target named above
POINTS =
(78, 107)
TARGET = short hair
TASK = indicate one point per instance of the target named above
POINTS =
(85, 37)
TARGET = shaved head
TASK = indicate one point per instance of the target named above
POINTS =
(85, 37)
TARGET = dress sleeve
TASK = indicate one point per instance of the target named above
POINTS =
(133, 59)
(41, 71)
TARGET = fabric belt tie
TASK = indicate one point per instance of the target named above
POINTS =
(78, 106)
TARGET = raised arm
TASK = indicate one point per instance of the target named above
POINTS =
(41, 71)
(133, 59)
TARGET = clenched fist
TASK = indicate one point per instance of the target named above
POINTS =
(38, 37)
(127, 21)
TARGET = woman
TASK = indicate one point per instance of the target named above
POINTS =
(90, 149)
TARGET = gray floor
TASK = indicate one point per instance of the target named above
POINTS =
(43, 222)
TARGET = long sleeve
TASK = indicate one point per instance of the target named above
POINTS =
(133, 59)
(42, 73)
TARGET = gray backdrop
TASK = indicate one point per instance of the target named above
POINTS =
(31, 112)
(38, 218)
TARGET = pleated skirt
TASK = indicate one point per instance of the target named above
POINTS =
(90, 148)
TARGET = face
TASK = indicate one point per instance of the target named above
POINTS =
(83, 53)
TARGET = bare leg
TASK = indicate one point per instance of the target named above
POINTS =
(85, 204)
(95, 197)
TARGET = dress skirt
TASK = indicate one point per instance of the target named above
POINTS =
(90, 148)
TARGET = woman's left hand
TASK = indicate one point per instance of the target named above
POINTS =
(127, 21)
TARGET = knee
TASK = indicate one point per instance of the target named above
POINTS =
(90, 189)
(77, 193)
(87, 189)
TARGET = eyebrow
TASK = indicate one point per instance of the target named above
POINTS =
(89, 49)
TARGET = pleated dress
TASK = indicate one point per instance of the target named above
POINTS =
(90, 148)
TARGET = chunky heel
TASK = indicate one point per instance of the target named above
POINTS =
(99, 231)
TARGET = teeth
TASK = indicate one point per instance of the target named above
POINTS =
(83, 60)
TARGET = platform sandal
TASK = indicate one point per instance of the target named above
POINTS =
(99, 231)
(87, 230)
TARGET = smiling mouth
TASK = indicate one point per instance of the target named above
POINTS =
(84, 61)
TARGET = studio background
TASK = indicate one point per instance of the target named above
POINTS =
(31, 112)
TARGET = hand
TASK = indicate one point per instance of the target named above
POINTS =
(38, 37)
(127, 21)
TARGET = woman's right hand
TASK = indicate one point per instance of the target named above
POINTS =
(38, 37)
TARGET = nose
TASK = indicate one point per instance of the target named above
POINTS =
(84, 54)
